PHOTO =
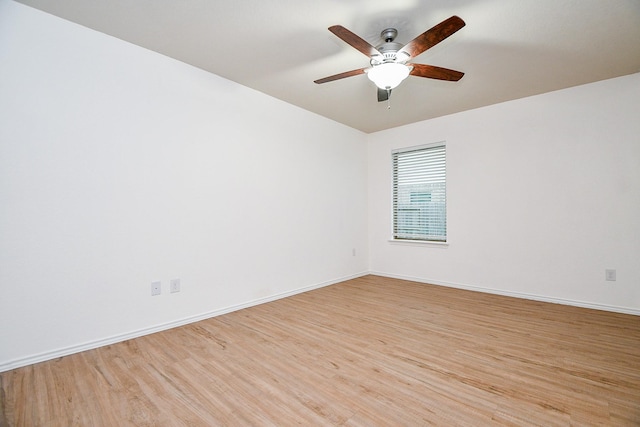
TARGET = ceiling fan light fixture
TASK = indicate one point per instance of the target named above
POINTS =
(388, 75)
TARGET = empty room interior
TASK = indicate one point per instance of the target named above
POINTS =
(199, 227)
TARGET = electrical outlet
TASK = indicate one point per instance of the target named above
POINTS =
(174, 285)
(610, 275)
(156, 288)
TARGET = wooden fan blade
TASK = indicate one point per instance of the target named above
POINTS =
(433, 72)
(340, 76)
(432, 36)
(383, 94)
(354, 40)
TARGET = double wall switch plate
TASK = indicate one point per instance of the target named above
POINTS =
(156, 288)
(174, 285)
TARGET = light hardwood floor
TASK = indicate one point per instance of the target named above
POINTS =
(371, 351)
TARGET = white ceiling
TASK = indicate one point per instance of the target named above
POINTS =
(508, 49)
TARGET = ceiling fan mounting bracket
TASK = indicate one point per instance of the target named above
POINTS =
(389, 34)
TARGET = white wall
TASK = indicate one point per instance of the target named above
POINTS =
(543, 196)
(119, 166)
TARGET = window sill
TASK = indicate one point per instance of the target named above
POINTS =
(442, 245)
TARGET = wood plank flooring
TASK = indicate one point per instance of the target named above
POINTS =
(371, 351)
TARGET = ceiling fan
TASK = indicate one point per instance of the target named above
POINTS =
(388, 60)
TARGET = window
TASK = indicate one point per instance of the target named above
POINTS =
(419, 193)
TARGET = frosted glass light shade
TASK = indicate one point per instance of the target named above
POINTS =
(388, 75)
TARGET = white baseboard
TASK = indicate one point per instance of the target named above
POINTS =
(42, 357)
(49, 355)
(543, 298)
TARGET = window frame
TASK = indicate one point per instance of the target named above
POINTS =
(394, 208)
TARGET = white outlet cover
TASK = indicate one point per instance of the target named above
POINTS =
(610, 275)
(156, 288)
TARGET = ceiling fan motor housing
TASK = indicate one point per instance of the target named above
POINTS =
(388, 49)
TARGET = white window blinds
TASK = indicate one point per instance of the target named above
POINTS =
(419, 193)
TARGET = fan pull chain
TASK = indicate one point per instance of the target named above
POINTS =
(388, 99)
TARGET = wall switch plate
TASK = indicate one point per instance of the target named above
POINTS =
(156, 288)
(610, 275)
(174, 285)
